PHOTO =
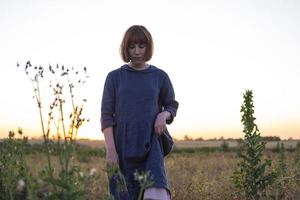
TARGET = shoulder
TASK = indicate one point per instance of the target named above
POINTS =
(114, 73)
(159, 71)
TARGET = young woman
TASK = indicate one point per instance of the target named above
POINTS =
(138, 101)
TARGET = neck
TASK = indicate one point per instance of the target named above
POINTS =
(139, 66)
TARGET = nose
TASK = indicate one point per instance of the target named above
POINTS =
(137, 49)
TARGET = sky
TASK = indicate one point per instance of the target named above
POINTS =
(213, 51)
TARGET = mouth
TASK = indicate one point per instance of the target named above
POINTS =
(137, 59)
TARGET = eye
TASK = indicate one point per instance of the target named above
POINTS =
(131, 46)
(142, 45)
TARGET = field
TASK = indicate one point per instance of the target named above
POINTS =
(194, 144)
(61, 169)
(195, 169)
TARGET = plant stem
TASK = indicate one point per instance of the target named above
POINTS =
(140, 194)
(11, 196)
(38, 99)
(65, 149)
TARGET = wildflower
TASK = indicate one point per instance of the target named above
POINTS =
(40, 181)
(42, 193)
(20, 131)
(139, 178)
(11, 134)
(20, 185)
(93, 171)
(81, 174)
(144, 178)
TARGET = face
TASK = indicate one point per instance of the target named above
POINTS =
(137, 53)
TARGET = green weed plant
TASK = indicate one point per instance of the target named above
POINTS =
(251, 179)
(15, 179)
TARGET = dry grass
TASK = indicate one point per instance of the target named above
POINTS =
(191, 176)
(97, 188)
(201, 176)
(184, 144)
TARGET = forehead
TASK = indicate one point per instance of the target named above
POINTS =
(136, 36)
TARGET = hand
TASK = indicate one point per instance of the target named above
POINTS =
(112, 157)
(111, 153)
(160, 122)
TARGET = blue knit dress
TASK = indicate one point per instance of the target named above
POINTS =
(130, 103)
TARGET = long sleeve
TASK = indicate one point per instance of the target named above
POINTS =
(167, 96)
(108, 103)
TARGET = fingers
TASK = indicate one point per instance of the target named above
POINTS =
(112, 161)
(160, 124)
(112, 157)
(160, 129)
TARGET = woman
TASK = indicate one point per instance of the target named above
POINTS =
(138, 101)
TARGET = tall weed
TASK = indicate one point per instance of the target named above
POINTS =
(252, 178)
(61, 123)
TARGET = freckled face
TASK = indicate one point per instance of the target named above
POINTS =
(137, 53)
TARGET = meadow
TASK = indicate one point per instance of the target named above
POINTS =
(195, 169)
(70, 169)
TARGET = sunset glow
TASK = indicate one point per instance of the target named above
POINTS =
(212, 50)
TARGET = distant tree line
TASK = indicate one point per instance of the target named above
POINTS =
(263, 138)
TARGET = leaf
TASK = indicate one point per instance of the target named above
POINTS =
(28, 63)
(63, 74)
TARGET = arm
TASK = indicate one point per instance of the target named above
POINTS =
(169, 106)
(111, 153)
(168, 99)
(108, 104)
(107, 120)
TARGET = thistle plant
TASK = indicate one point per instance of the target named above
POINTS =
(15, 180)
(145, 180)
(251, 178)
(62, 82)
(117, 184)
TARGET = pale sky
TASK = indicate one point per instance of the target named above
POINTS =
(213, 50)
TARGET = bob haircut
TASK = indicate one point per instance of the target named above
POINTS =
(136, 34)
